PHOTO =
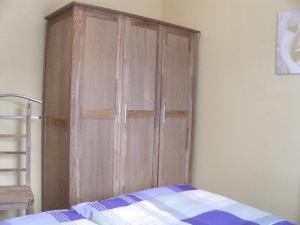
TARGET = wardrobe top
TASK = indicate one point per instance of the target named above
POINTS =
(75, 3)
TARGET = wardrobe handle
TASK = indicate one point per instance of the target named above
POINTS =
(125, 114)
(119, 113)
(163, 114)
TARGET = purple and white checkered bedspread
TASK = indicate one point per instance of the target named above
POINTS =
(172, 205)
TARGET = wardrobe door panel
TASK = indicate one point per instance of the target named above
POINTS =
(173, 156)
(177, 75)
(138, 160)
(96, 161)
(98, 81)
(98, 106)
(56, 114)
(140, 71)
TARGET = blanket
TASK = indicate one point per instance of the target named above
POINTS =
(170, 205)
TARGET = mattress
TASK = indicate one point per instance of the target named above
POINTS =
(171, 205)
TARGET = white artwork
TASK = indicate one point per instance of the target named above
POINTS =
(288, 42)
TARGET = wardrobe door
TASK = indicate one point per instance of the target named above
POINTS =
(98, 101)
(176, 106)
(56, 114)
(140, 94)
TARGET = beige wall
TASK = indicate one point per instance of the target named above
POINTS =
(248, 118)
(22, 36)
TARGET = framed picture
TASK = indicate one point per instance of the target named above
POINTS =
(288, 42)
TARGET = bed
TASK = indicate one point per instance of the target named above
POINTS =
(176, 205)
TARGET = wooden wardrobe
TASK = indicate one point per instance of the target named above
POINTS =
(118, 104)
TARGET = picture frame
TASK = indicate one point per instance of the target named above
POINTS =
(288, 42)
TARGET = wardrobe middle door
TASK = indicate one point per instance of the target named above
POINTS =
(140, 91)
(98, 105)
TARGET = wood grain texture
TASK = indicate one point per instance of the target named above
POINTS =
(13, 206)
(16, 198)
(157, 121)
(98, 77)
(173, 155)
(78, 28)
(140, 113)
(192, 106)
(139, 99)
(118, 125)
(15, 194)
(176, 114)
(175, 128)
(138, 159)
(176, 70)
(98, 101)
(109, 75)
(96, 159)
(57, 101)
(98, 114)
(58, 122)
(140, 64)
